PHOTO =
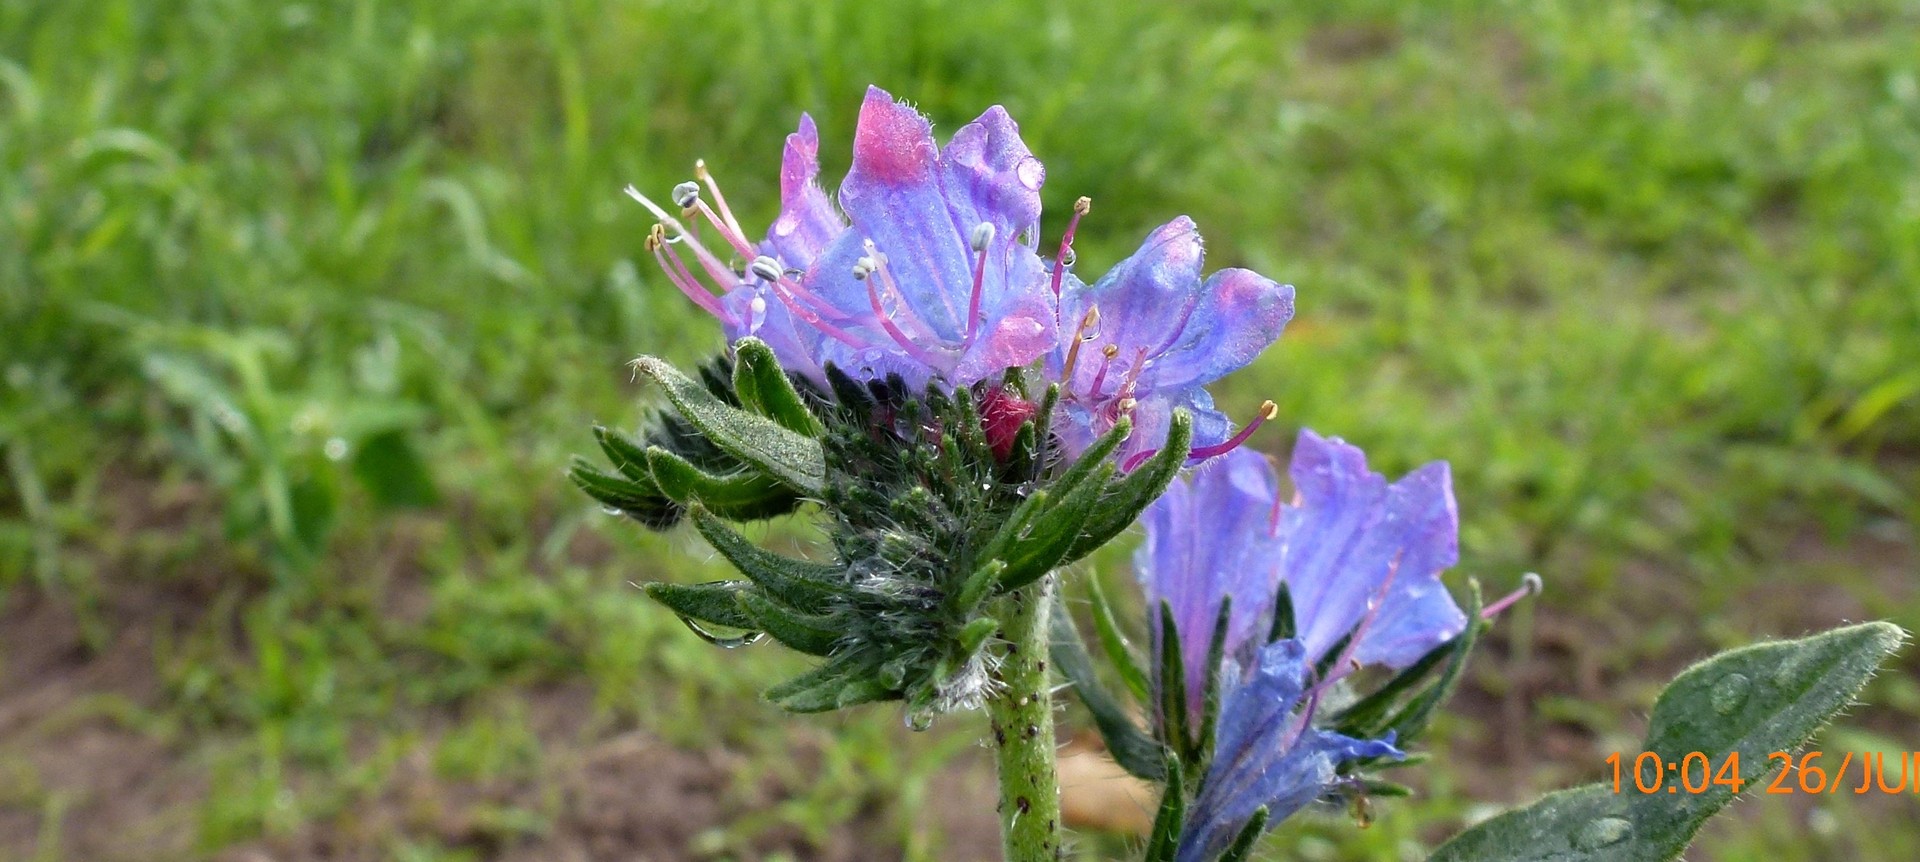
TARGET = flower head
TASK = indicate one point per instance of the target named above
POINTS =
(930, 274)
(1148, 337)
(1267, 753)
(1361, 559)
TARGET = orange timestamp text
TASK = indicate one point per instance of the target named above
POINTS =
(1812, 772)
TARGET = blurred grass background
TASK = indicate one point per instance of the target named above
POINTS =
(305, 306)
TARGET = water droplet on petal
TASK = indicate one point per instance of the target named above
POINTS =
(1730, 693)
(1031, 172)
(1605, 832)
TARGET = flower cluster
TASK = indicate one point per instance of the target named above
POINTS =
(1301, 592)
(928, 270)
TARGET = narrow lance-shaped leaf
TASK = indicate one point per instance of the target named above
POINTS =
(763, 387)
(641, 501)
(1128, 497)
(802, 584)
(1113, 643)
(1746, 702)
(1130, 746)
(746, 495)
(809, 633)
(715, 603)
(791, 457)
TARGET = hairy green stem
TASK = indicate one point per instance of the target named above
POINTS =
(1022, 716)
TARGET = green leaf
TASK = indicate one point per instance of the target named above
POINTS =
(625, 453)
(715, 603)
(1249, 835)
(1130, 746)
(813, 634)
(804, 585)
(839, 682)
(1172, 817)
(763, 387)
(1114, 643)
(746, 495)
(1749, 701)
(1044, 544)
(641, 501)
(1411, 721)
(1127, 498)
(792, 458)
(1173, 686)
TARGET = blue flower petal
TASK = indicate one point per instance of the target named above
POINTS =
(1352, 539)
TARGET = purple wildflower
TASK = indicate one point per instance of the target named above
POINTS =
(1267, 753)
(1359, 556)
(932, 273)
(1151, 334)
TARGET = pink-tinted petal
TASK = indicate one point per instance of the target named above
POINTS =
(808, 222)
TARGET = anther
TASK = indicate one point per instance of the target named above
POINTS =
(863, 268)
(686, 194)
(766, 268)
(982, 235)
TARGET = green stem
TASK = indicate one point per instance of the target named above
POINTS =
(1022, 717)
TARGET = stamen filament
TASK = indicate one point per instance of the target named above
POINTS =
(1268, 410)
(893, 330)
(1080, 336)
(726, 230)
(716, 270)
(683, 279)
(700, 173)
(1062, 260)
(1530, 585)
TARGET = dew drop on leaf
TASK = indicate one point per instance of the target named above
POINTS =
(1604, 832)
(919, 720)
(723, 642)
(1730, 693)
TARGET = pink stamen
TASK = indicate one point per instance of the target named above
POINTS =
(886, 322)
(678, 274)
(1268, 410)
(979, 287)
(700, 173)
(1530, 585)
(726, 231)
(1080, 208)
(1100, 377)
(814, 320)
(716, 270)
(1080, 336)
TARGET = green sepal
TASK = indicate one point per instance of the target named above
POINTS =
(1411, 721)
(812, 634)
(764, 388)
(1368, 718)
(1114, 643)
(1130, 496)
(715, 602)
(638, 500)
(1173, 686)
(1210, 691)
(803, 585)
(790, 457)
(840, 682)
(1171, 819)
(744, 496)
(625, 453)
(1284, 625)
(1053, 532)
(1249, 835)
(978, 586)
(1131, 747)
(974, 634)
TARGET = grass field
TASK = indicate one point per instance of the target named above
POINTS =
(304, 306)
